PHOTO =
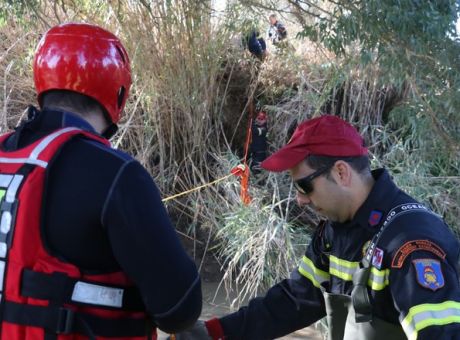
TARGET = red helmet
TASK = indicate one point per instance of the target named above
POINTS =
(86, 59)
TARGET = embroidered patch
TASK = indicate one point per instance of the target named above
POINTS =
(377, 259)
(411, 246)
(366, 245)
(429, 273)
(374, 218)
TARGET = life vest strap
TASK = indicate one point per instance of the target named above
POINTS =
(61, 320)
(59, 288)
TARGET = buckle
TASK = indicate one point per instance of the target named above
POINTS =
(65, 321)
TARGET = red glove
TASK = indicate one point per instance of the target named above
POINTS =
(215, 329)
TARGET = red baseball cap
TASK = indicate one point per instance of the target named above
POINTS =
(323, 136)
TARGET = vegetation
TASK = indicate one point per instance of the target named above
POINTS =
(391, 68)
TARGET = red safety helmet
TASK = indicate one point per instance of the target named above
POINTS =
(86, 59)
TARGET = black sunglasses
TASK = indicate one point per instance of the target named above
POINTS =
(304, 185)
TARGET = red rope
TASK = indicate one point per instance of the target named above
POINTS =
(244, 194)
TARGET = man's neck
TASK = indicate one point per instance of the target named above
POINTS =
(362, 193)
(95, 119)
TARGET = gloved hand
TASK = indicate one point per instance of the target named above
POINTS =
(197, 332)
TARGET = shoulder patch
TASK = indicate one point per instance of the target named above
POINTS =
(411, 246)
(429, 273)
(375, 217)
(377, 259)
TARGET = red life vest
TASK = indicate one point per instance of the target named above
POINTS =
(41, 296)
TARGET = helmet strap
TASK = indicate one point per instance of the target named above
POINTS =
(110, 131)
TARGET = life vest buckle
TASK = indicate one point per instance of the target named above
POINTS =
(65, 321)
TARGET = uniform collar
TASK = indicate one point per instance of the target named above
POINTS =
(42, 123)
(372, 212)
(55, 119)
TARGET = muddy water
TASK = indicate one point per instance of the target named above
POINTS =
(215, 305)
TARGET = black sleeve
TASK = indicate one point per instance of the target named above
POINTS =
(426, 293)
(148, 250)
(424, 281)
(290, 305)
(262, 44)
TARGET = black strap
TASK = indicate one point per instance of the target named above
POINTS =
(60, 320)
(360, 297)
(391, 216)
(58, 287)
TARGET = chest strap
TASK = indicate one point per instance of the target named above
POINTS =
(360, 294)
(59, 288)
(61, 320)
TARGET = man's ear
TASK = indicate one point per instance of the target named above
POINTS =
(342, 173)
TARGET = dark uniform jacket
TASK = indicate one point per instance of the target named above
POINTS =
(414, 279)
(259, 144)
(255, 44)
(103, 213)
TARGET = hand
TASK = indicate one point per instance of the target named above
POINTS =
(197, 332)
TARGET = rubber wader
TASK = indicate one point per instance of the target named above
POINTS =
(342, 323)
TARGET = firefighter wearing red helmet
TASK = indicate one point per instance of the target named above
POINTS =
(85, 59)
(86, 246)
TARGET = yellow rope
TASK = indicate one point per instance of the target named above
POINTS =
(197, 188)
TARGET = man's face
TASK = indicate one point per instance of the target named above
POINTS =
(326, 198)
(272, 20)
(260, 121)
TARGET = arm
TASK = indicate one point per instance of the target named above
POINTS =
(262, 43)
(426, 292)
(148, 250)
(290, 305)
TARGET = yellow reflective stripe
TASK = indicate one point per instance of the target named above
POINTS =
(430, 314)
(313, 273)
(342, 268)
(341, 275)
(343, 263)
(378, 279)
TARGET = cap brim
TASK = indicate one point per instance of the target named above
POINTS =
(284, 159)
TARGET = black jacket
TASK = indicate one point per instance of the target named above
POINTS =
(414, 279)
